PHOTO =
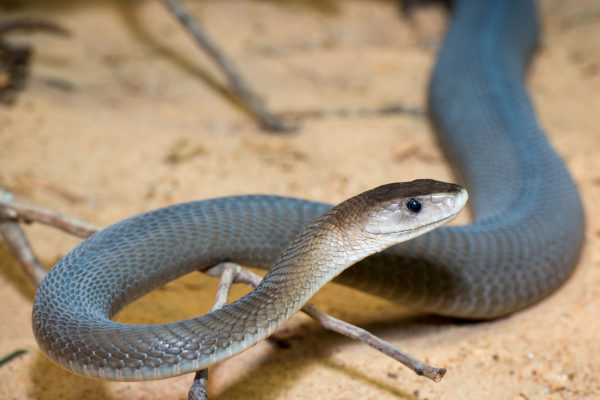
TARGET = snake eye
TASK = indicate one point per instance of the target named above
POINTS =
(414, 205)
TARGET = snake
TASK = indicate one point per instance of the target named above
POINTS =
(524, 240)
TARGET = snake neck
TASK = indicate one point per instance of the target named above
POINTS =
(313, 258)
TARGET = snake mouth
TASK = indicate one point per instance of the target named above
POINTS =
(441, 221)
(425, 228)
(421, 230)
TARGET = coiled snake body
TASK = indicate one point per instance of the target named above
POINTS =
(524, 242)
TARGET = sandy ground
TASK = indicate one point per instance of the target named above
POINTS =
(92, 134)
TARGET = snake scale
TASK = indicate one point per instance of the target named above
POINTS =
(524, 242)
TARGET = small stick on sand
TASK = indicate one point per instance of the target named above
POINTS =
(240, 87)
(228, 273)
(347, 329)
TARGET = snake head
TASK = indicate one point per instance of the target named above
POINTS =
(405, 210)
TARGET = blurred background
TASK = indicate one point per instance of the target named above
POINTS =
(126, 114)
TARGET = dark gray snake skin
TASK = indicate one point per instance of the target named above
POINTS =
(524, 243)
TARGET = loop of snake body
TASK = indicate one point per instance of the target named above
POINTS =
(524, 242)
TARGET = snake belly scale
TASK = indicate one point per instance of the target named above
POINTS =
(524, 242)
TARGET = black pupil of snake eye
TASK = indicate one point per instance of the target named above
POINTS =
(414, 205)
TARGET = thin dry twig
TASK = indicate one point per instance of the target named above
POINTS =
(198, 389)
(240, 87)
(31, 24)
(346, 329)
(228, 272)
(12, 212)
(19, 245)
(354, 332)
(27, 213)
(392, 109)
(21, 249)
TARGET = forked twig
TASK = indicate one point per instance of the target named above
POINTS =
(12, 212)
(240, 87)
(18, 243)
(253, 103)
(346, 329)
